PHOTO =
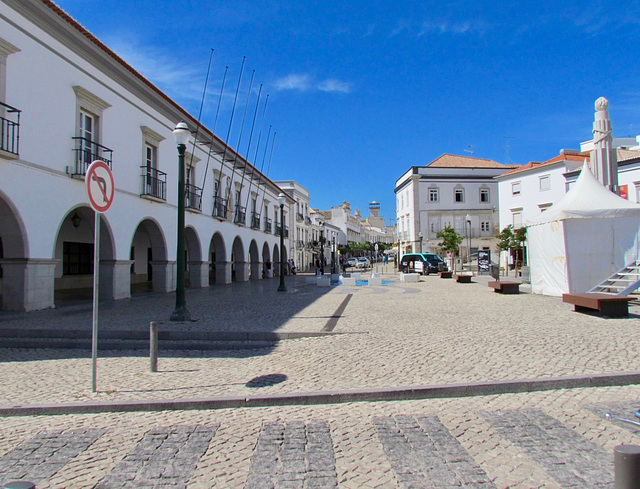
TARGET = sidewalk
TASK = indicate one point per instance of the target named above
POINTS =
(398, 336)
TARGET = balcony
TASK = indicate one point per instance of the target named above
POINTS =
(255, 220)
(219, 207)
(154, 183)
(307, 220)
(278, 230)
(299, 217)
(87, 152)
(267, 225)
(240, 215)
(286, 232)
(192, 197)
(10, 129)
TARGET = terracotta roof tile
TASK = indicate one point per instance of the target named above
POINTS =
(565, 156)
(454, 161)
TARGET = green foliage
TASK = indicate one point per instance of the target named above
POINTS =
(510, 239)
(450, 239)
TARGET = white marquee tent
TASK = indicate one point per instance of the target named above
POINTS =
(585, 237)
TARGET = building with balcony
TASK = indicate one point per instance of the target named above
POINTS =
(66, 100)
(302, 249)
(456, 191)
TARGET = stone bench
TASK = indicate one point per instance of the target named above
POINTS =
(505, 286)
(612, 306)
(463, 279)
(446, 274)
(323, 281)
(409, 277)
(349, 281)
(375, 281)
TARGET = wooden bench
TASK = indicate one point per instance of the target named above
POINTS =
(612, 306)
(446, 274)
(505, 286)
(463, 279)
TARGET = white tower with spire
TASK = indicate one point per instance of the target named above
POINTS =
(604, 161)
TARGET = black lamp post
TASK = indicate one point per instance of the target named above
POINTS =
(322, 248)
(181, 134)
(468, 222)
(281, 200)
(333, 254)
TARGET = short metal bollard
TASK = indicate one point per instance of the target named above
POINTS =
(626, 460)
(153, 345)
(19, 485)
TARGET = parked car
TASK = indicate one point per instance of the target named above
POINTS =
(351, 262)
(362, 262)
(423, 263)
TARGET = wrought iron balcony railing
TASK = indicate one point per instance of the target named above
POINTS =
(9, 129)
(307, 220)
(219, 207)
(267, 225)
(192, 197)
(240, 216)
(255, 220)
(154, 182)
(87, 152)
(286, 232)
(299, 217)
(278, 230)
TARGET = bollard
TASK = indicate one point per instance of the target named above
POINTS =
(627, 466)
(153, 345)
(19, 485)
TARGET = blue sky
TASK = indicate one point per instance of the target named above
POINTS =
(360, 91)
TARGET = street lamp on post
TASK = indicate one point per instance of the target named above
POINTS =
(420, 236)
(181, 134)
(333, 254)
(322, 248)
(281, 200)
(468, 223)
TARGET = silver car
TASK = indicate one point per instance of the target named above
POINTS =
(362, 262)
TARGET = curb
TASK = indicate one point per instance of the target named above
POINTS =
(332, 397)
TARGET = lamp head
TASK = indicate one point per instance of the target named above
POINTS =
(181, 133)
(468, 218)
(282, 199)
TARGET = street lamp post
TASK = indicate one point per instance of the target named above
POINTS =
(322, 248)
(181, 134)
(281, 200)
(333, 255)
(468, 223)
(420, 236)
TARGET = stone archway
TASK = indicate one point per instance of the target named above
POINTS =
(197, 270)
(74, 253)
(20, 276)
(276, 261)
(254, 261)
(239, 269)
(150, 269)
(219, 269)
(267, 264)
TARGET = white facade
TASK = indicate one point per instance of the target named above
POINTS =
(526, 192)
(300, 224)
(79, 102)
(454, 191)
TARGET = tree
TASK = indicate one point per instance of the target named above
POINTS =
(508, 239)
(450, 240)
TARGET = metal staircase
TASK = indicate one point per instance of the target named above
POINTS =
(621, 283)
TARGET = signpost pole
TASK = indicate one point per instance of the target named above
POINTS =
(96, 281)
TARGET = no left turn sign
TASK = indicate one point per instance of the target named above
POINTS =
(100, 186)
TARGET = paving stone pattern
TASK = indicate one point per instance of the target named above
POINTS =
(165, 457)
(293, 455)
(423, 453)
(45, 454)
(569, 458)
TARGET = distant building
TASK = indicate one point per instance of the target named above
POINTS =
(456, 191)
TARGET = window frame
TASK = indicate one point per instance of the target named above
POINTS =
(546, 178)
(516, 188)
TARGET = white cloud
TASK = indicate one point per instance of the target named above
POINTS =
(334, 86)
(293, 82)
(304, 83)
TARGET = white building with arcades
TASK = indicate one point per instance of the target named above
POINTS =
(66, 100)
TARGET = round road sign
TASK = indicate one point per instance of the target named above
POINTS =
(100, 186)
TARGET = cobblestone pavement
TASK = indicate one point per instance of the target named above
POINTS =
(432, 332)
